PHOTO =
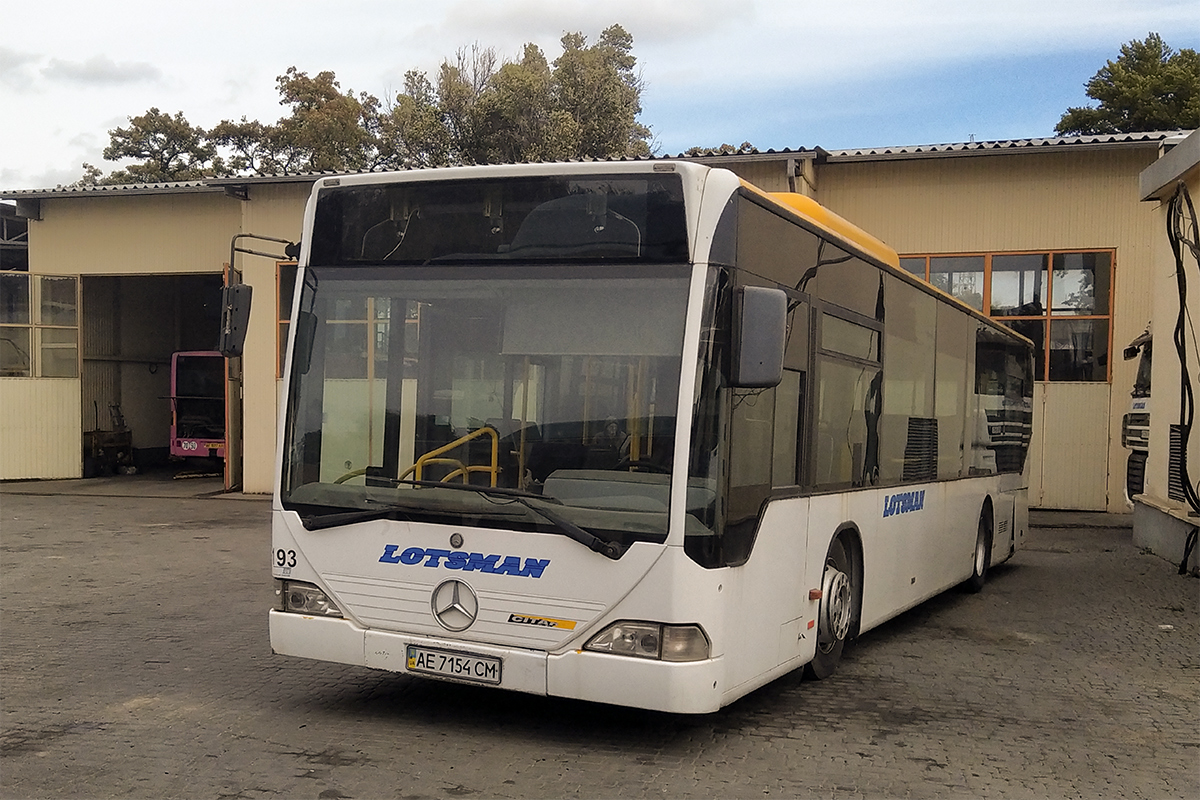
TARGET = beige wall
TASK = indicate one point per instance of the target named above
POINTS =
(1034, 201)
(130, 235)
(276, 211)
(44, 442)
(1165, 380)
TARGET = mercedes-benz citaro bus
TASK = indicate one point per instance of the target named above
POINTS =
(630, 432)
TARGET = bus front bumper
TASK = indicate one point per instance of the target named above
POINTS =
(683, 688)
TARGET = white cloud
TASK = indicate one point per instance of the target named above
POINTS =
(715, 71)
(14, 68)
(100, 71)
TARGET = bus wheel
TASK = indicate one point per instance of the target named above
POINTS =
(836, 613)
(983, 556)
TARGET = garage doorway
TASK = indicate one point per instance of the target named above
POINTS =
(130, 327)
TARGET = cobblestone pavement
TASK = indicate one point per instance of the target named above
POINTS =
(135, 664)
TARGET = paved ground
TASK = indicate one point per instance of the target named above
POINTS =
(135, 664)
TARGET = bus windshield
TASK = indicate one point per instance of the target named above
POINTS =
(549, 390)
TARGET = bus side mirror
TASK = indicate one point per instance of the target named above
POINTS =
(760, 334)
(235, 316)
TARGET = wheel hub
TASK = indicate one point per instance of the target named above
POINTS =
(836, 605)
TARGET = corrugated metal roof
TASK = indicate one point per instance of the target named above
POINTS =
(183, 187)
(1007, 146)
(710, 157)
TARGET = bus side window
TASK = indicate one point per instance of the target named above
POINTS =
(751, 433)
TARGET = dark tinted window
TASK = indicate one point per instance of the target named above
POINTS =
(589, 217)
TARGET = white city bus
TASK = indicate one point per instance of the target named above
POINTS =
(631, 432)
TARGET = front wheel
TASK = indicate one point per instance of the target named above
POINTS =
(982, 557)
(835, 616)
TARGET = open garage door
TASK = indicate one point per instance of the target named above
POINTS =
(129, 328)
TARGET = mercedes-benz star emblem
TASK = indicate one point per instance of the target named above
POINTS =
(454, 605)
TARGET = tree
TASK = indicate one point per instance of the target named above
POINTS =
(723, 150)
(598, 88)
(327, 130)
(172, 149)
(477, 111)
(1149, 87)
(412, 133)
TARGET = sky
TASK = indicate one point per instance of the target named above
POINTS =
(779, 74)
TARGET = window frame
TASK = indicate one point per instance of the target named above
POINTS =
(1048, 317)
(36, 328)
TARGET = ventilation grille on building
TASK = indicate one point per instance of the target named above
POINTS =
(921, 450)
(1175, 465)
(1135, 473)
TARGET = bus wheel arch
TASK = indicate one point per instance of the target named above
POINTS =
(841, 602)
(981, 557)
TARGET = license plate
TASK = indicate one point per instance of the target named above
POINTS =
(448, 664)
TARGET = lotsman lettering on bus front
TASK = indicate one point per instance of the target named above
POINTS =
(903, 502)
(467, 562)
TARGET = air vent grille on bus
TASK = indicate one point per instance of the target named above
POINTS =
(921, 450)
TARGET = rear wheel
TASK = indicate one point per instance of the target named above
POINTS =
(983, 555)
(835, 616)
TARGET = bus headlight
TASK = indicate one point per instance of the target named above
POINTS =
(652, 640)
(303, 598)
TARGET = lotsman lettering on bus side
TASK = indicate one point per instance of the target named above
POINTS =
(466, 562)
(903, 502)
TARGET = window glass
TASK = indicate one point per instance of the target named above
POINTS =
(789, 410)
(283, 304)
(848, 407)
(1025, 291)
(584, 218)
(1079, 350)
(772, 247)
(848, 282)
(908, 367)
(1019, 285)
(849, 338)
(345, 350)
(955, 352)
(14, 299)
(1080, 283)
(58, 301)
(915, 266)
(795, 355)
(1035, 331)
(961, 276)
(14, 352)
(750, 439)
(59, 352)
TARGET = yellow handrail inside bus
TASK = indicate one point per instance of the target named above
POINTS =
(433, 457)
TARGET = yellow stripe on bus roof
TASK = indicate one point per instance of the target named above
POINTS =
(816, 213)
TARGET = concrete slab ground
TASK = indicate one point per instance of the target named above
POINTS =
(135, 663)
(151, 484)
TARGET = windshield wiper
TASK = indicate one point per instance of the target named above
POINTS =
(317, 522)
(605, 547)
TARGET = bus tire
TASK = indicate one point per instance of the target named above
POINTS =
(836, 614)
(982, 556)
